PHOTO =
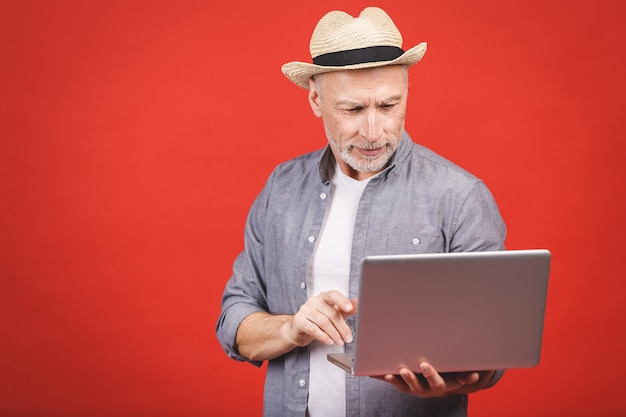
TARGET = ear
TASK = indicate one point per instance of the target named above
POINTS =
(314, 98)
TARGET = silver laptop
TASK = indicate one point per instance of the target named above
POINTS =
(467, 311)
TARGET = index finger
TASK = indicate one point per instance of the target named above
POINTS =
(338, 300)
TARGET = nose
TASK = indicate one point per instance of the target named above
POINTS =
(371, 128)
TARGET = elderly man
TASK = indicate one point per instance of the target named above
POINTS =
(292, 297)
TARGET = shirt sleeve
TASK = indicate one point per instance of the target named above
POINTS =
(245, 291)
(477, 225)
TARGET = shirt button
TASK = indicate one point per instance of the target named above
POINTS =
(323, 196)
(303, 285)
(311, 239)
(415, 241)
(302, 383)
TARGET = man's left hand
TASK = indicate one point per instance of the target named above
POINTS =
(430, 383)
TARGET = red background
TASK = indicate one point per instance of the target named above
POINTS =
(135, 135)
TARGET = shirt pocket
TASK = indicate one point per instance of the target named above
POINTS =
(401, 242)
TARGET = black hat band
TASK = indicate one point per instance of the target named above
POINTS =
(358, 56)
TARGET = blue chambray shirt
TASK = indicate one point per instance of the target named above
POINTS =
(420, 203)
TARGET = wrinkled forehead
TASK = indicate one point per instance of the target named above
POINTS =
(382, 81)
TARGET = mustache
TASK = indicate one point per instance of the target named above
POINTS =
(368, 146)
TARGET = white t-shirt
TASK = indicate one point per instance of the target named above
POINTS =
(329, 269)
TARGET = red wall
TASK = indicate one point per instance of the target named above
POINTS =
(135, 134)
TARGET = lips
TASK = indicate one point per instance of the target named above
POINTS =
(370, 152)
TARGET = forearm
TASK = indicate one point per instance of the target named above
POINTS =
(264, 336)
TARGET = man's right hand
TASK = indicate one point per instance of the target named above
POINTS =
(323, 318)
(263, 336)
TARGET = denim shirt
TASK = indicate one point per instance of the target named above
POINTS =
(421, 203)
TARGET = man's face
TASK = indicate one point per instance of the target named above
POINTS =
(363, 114)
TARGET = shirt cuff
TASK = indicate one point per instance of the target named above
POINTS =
(495, 378)
(228, 326)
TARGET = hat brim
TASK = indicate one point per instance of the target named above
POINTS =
(300, 72)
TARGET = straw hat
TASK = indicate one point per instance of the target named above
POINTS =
(341, 42)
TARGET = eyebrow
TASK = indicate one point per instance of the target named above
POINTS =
(355, 103)
(391, 99)
(349, 103)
